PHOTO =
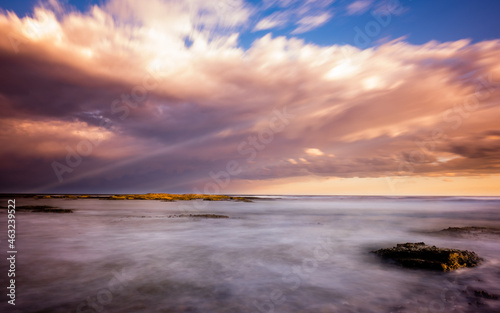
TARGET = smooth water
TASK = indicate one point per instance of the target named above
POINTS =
(293, 254)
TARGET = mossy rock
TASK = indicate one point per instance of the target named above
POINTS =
(176, 197)
(419, 255)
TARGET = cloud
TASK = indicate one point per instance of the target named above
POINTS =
(311, 22)
(308, 14)
(162, 114)
(359, 7)
(276, 19)
(314, 152)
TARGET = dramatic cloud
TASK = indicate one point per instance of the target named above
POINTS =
(160, 95)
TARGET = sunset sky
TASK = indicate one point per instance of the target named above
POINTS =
(367, 97)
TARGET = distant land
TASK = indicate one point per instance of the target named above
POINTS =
(148, 196)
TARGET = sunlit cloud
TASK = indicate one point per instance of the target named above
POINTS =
(140, 77)
(314, 152)
(308, 23)
(303, 15)
(276, 19)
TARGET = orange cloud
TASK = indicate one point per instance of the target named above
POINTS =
(397, 109)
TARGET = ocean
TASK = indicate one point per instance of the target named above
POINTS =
(275, 254)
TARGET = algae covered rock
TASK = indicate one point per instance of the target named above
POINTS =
(420, 255)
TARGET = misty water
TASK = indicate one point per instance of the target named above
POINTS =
(292, 254)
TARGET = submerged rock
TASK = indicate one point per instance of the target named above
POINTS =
(471, 230)
(486, 295)
(420, 255)
(41, 209)
(203, 215)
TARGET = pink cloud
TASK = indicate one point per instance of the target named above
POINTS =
(369, 108)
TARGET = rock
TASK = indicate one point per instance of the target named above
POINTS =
(468, 231)
(486, 295)
(203, 215)
(42, 209)
(419, 255)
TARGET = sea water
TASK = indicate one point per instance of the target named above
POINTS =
(275, 254)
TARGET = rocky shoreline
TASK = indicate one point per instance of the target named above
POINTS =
(148, 196)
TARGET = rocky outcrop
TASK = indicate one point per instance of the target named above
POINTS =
(419, 255)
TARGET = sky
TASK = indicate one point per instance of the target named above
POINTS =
(364, 97)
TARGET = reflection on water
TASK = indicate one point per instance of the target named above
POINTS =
(294, 254)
